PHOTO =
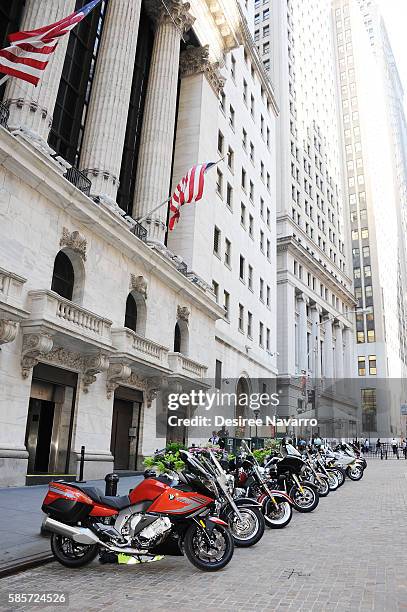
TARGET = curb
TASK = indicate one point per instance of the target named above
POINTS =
(20, 565)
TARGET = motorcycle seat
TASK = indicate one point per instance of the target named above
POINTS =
(117, 502)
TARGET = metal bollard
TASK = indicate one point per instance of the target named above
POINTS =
(81, 464)
(111, 481)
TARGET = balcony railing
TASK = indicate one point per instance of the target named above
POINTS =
(54, 309)
(77, 178)
(4, 114)
(139, 231)
(127, 341)
(181, 364)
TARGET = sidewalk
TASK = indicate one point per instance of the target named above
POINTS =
(20, 508)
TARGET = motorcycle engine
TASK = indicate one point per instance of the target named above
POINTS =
(150, 535)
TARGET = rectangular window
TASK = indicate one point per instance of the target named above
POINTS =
(229, 195)
(249, 324)
(251, 226)
(226, 304)
(369, 410)
(243, 179)
(268, 296)
(261, 293)
(371, 335)
(216, 240)
(360, 337)
(267, 339)
(244, 138)
(243, 214)
(219, 182)
(232, 116)
(228, 247)
(372, 365)
(241, 317)
(232, 67)
(250, 277)
(215, 287)
(268, 250)
(361, 366)
(231, 158)
(251, 191)
(218, 374)
(241, 267)
(261, 334)
(262, 241)
(221, 141)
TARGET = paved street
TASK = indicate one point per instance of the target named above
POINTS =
(350, 554)
(21, 507)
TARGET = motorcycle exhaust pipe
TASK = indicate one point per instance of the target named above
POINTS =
(82, 535)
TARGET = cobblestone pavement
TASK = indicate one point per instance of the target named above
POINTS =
(350, 554)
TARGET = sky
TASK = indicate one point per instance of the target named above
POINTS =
(395, 16)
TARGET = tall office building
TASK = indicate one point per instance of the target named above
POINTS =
(314, 290)
(374, 132)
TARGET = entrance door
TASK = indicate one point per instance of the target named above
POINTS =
(120, 440)
(40, 422)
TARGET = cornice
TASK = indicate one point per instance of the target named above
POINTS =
(40, 175)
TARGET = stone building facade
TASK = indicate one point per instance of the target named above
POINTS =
(101, 315)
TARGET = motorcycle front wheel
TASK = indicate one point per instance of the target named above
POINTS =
(340, 474)
(322, 485)
(70, 553)
(209, 555)
(279, 517)
(250, 529)
(333, 480)
(355, 473)
(305, 501)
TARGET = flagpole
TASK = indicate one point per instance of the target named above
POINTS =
(150, 212)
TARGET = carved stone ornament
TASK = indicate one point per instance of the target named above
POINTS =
(183, 313)
(92, 366)
(138, 284)
(62, 357)
(149, 386)
(8, 331)
(171, 11)
(195, 60)
(117, 374)
(35, 346)
(74, 241)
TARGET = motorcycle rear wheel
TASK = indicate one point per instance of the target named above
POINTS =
(70, 553)
(333, 480)
(204, 556)
(340, 474)
(355, 473)
(323, 487)
(277, 519)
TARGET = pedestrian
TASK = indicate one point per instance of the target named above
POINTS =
(317, 442)
(222, 435)
(404, 446)
(378, 445)
(214, 439)
(394, 445)
(367, 444)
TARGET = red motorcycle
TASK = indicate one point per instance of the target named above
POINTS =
(153, 519)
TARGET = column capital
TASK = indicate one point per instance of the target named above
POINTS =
(173, 11)
(195, 60)
(316, 308)
(302, 297)
(339, 325)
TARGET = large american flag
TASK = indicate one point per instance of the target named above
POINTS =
(189, 189)
(30, 52)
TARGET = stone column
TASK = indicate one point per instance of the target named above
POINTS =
(157, 134)
(302, 332)
(109, 103)
(31, 108)
(316, 342)
(349, 364)
(339, 352)
(328, 349)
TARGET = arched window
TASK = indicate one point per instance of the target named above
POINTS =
(136, 313)
(130, 320)
(177, 339)
(181, 337)
(63, 276)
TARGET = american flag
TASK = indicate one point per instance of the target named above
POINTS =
(30, 52)
(189, 189)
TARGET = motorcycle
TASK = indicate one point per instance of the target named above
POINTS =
(285, 474)
(204, 473)
(353, 466)
(154, 518)
(312, 473)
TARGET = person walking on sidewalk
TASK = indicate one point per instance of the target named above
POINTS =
(395, 445)
(378, 445)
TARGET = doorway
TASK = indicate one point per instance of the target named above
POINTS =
(126, 428)
(40, 422)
